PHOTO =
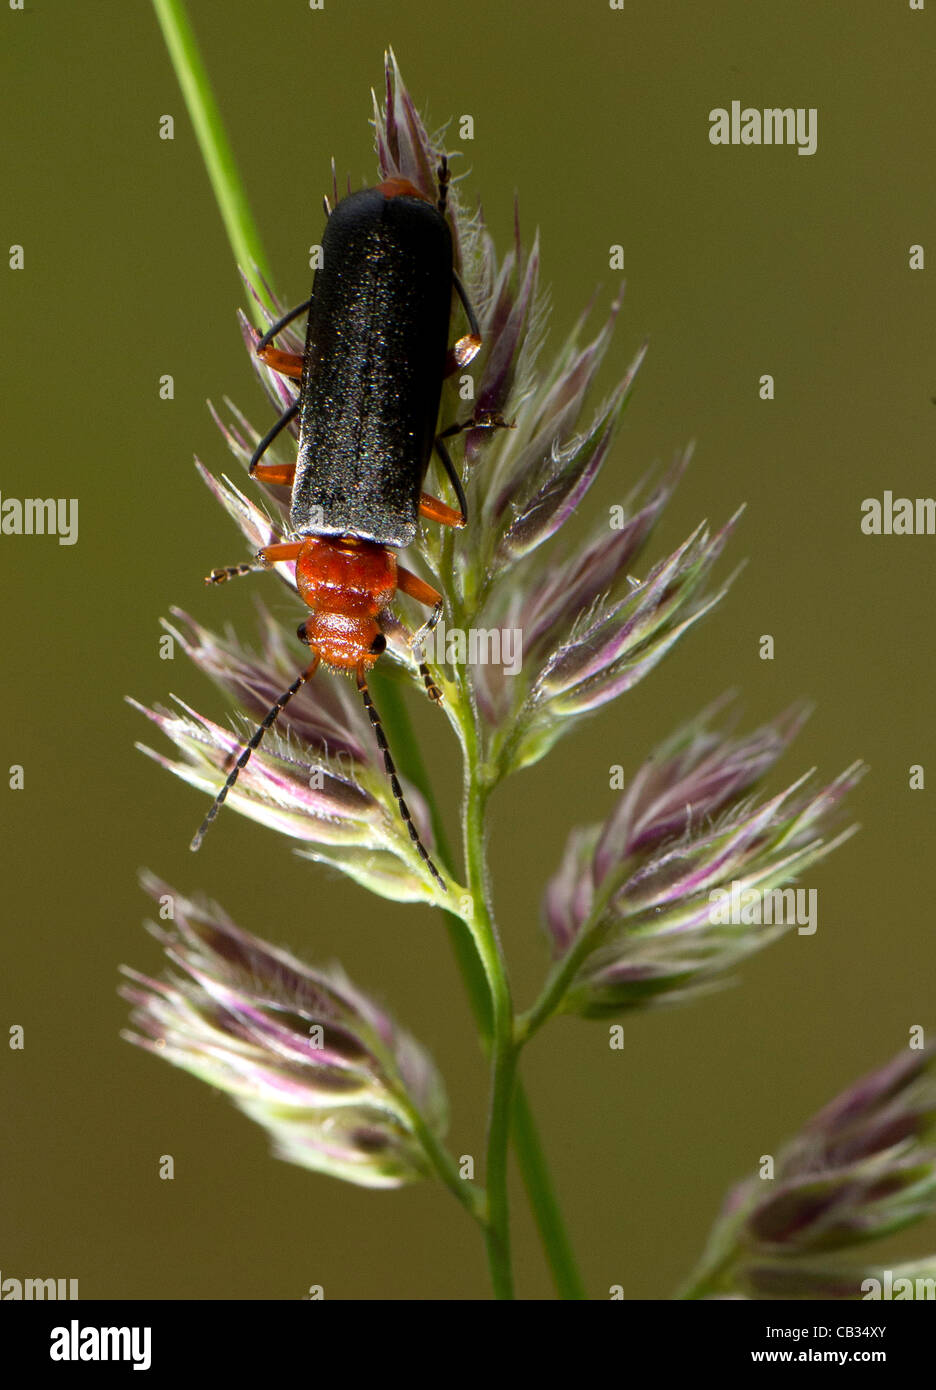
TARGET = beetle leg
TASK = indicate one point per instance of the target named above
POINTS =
(432, 690)
(277, 328)
(281, 550)
(285, 419)
(282, 473)
(286, 363)
(269, 555)
(390, 624)
(454, 479)
(484, 420)
(461, 354)
(467, 347)
(411, 584)
(434, 510)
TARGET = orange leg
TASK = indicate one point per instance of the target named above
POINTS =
(286, 363)
(269, 555)
(282, 550)
(411, 584)
(282, 473)
(434, 510)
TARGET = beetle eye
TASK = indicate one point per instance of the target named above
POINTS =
(379, 644)
(302, 634)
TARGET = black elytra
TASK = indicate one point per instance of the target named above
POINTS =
(373, 368)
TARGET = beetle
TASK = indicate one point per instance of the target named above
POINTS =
(376, 354)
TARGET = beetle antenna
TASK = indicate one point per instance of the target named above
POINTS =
(249, 748)
(394, 780)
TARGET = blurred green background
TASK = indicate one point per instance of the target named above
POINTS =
(739, 261)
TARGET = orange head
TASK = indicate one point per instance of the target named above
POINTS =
(347, 583)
